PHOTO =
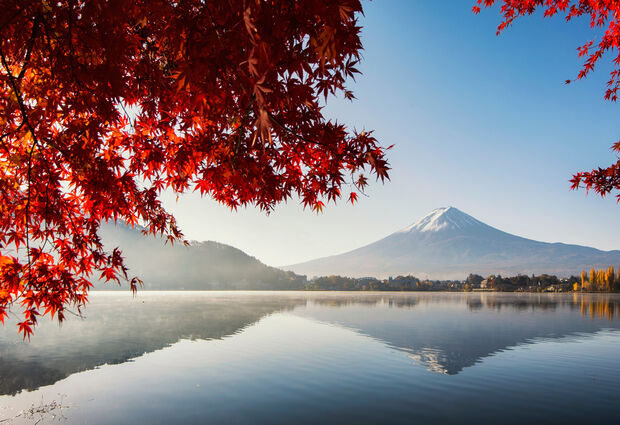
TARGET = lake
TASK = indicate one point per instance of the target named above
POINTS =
(319, 358)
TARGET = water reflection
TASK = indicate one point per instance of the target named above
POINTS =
(444, 332)
(593, 305)
(599, 308)
(447, 333)
(118, 328)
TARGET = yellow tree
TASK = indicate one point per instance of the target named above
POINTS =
(592, 284)
(606, 279)
(584, 279)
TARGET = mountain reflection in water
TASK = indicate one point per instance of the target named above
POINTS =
(444, 332)
(448, 332)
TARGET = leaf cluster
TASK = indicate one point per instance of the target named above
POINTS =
(104, 104)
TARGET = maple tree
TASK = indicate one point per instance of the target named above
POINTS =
(104, 104)
(600, 14)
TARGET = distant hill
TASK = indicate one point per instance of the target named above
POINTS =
(202, 265)
(449, 244)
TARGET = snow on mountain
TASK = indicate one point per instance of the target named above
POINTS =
(449, 244)
(448, 218)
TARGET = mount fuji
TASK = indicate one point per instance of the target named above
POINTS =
(449, 244)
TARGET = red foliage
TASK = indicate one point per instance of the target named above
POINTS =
(600, 14)
(105, 103)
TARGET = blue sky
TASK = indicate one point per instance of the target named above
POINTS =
(482, 123)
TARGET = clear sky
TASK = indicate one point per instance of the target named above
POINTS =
(480, 122)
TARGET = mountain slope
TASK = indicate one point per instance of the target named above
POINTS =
(202, 265)
(449, 244)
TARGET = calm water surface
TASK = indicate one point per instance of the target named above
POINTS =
(319, 358)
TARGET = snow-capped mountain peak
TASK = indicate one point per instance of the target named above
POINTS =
(446, 218)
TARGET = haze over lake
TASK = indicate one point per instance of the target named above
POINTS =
(306, 358)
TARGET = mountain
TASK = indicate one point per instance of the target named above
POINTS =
(449, 244)
(201, 265)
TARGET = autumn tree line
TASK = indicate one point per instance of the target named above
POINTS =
(604, 280)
